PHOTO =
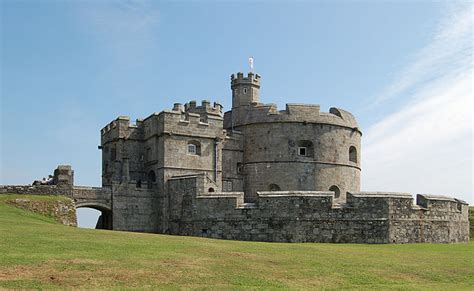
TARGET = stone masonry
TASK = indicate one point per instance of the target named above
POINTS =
(253, 173)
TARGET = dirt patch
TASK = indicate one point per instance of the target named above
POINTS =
(87, 273)
(243, 255)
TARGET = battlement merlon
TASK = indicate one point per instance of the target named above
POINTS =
(440, 203)
(251, 79)
(121, 128)
(303, 113)
(205, 109)
(397, 202)
(171, 122)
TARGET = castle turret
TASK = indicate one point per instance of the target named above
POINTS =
(245, 90)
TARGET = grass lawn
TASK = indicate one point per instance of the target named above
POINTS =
(36, 252)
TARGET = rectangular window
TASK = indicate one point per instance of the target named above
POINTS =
(191, 149)
(302, 151)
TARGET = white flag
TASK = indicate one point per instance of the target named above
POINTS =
(251, 63)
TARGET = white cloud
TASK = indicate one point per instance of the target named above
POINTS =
(427, 146)
(449, 51)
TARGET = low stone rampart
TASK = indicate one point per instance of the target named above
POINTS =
(61, 210)
(276, 216)
(134, 209)
(311, 216)
(35, 190)
(434, 219)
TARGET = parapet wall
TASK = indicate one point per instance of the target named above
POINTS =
(134, 209)
(265, 113)
(95, 197)
(311, 216)
(35, 190)
(205, 109)
(181, 116)
(251, 78)
(192, 124)
(121, 128)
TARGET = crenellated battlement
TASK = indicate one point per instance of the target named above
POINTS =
(205, 109)
(192, 115)
(377, 201)
(121, 123)
(189, 114)
(251, 78)
(314, 216)
(304, 113)
(424, 202)
(114, 123)
(121, 128)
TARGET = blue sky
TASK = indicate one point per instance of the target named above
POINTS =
(404, 69)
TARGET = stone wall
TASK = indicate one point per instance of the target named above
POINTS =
(271, 157)
(311, 216)
(35, 190)
(135, 209)
(438, 219)
(232, 163)
(99, 198)
(257, 113)
(93, 197)
(61, 209)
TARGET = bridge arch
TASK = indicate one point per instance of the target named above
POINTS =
(105, 218)
(93, 204)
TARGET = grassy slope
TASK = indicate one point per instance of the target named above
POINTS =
(37, 252)
(45, 205)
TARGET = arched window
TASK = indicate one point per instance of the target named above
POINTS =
(194, 147)
(274, 187)
(139, 183)
(353, 154)
(335, 189)
(210, 190)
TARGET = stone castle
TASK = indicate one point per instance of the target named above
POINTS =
(254, 173)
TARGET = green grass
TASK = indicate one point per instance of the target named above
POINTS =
(36, 252)
(50, 206)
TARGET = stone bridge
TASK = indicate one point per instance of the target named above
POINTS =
(96, 198)
(91, 197)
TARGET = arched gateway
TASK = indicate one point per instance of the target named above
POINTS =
(96, 198)
(105, 218)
